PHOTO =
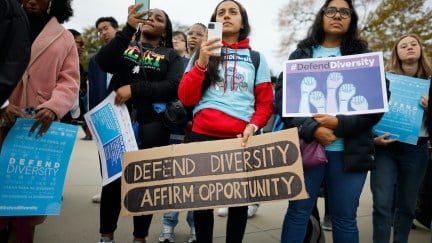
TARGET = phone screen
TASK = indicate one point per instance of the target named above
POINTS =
(145, 6)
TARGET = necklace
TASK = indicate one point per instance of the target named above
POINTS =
(147, 47)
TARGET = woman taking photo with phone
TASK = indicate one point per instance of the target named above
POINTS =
(231, 98)
(145, 71)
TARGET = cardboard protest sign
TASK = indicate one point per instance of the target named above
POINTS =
(213, 174)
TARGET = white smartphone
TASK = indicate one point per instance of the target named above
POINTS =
(215, 30)
(145, 7)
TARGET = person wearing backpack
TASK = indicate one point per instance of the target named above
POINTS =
(231, 98)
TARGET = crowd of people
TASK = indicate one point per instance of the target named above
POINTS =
(219, 86)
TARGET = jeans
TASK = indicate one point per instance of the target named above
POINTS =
(171, 219)
(400, 168)
(344, 189)
(296, 219)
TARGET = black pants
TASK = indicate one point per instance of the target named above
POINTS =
(423, 212)
(236, 225)
(152, 134)
(110, 209)
(204, 219)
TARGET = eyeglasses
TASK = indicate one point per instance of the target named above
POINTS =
(332, 11)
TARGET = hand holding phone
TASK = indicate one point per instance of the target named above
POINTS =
(144, 7)
(215, 31)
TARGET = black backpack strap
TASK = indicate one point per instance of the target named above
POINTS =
(255, 56)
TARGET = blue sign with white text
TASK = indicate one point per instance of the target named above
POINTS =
(404, 118)
(111, 137)
(33, 170)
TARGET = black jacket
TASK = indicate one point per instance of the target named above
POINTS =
(15, 46)
(153, 73)
(429, 114)
(356, 130)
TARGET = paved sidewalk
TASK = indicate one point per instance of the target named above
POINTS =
(79, 219)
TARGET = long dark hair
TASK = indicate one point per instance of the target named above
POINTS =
(61, 9)
(245, 31)
(351, 42)
(212, 70)
(167, 40)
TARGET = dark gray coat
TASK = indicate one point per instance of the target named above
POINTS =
(15, 46)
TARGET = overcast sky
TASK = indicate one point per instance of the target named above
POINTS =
(262, 17)
(265, 35)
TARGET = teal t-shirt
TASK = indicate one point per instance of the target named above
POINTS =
(318, 52)
(233, 92)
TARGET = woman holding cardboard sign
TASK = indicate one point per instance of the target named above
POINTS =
(232, 99)
(348, 140)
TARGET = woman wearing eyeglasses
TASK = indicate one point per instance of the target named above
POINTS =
(180, 45)
(195, 36)
(348, 140)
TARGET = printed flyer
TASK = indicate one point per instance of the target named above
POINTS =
(112, 131)
(33, 170)
(404, 118)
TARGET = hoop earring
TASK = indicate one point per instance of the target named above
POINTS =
(49, 7)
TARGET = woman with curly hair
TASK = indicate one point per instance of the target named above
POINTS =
(146, 72)
(49, 85)
(348, 140)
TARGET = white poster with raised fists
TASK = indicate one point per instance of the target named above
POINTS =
(353, 84)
